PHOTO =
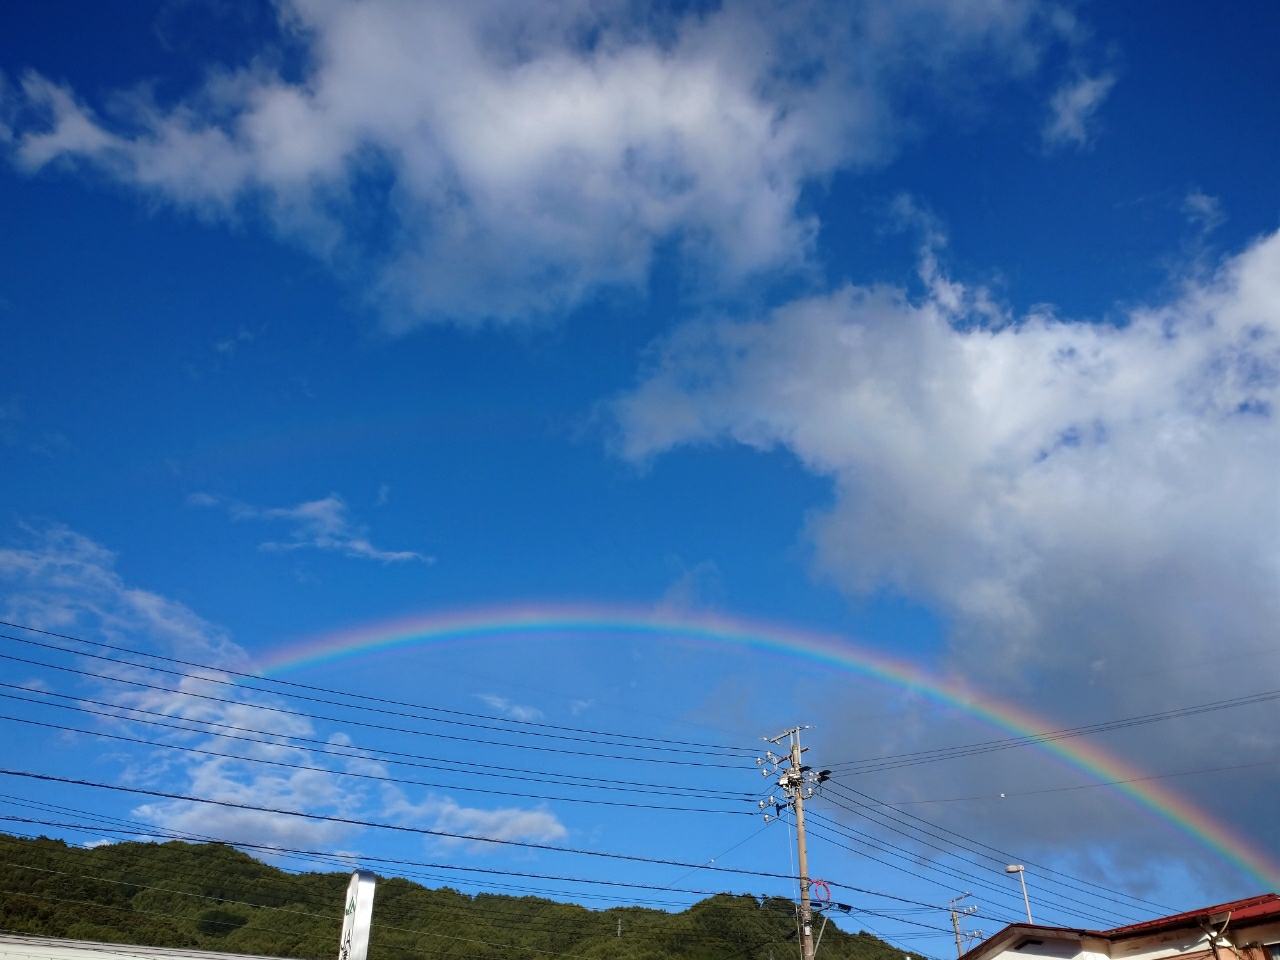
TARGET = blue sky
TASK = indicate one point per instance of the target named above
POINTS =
(947, 327)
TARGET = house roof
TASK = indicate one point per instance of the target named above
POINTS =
(1247, 912)
(1250, 911)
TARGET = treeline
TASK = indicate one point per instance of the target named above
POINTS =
(213, 897)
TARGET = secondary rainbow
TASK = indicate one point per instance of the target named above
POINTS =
(540, 621)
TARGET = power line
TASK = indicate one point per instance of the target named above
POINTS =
(348, 751)
(896, 826)
(1082, 786)
(497, 917)
(700, 747)
(1053, 898)
(833, 834)
(314, 855)
(151, 830)
(895, 761)
(348, 720)
(143, 829)
(400, 828)
(1005, 856)
(364, 776)
(474, 909)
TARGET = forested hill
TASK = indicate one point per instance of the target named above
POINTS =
(214, 897)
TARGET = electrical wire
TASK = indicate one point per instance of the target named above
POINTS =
(399, 828)
(868, 803)
(364, 776)
(827, 827)
(142, 829)
(1081, 786)
(903, 828)
(699, 747)
(473, 910)
(896, 761)
(350, 751)
(348, 720)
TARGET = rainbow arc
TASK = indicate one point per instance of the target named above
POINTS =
(541, 621)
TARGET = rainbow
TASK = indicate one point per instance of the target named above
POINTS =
(541, 621)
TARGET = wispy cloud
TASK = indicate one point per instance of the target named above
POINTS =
(318, 525)
(1072, 110)
(228, 346)
(696, 587)
(14, 431)
(61, 580)
(509, 709)
(1203, 210)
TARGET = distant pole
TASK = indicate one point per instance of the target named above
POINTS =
(619, 926)
(956, 914)
(1021, 871)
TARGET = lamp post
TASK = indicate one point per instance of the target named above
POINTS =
(1021, 871)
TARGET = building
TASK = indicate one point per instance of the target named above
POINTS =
(17, 947)
(1242, 930)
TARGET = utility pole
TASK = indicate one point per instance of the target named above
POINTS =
(956, 913)
(797, 783)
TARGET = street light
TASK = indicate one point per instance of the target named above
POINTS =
(1021, 871)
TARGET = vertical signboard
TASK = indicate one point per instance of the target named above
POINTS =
(357, 914)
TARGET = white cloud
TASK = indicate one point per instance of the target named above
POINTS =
(1203, 210)
(1072, 110)
(506, 707)
(1063, 494)
(229, 346)
(506, 823)
(696, 587)
(318, 524)
(63, 581)
(231, 781)
(523, 155)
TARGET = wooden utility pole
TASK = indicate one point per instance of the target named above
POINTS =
(797, 785)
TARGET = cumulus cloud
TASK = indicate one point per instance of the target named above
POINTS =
(517, 157)
(506, 823)
(1072, 110)
(1077, 500)
(231, 781)
(318, 524)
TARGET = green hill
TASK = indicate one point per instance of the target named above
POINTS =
(214, 897)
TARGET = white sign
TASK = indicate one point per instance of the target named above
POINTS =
(357, 914)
